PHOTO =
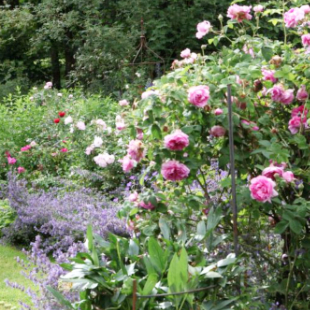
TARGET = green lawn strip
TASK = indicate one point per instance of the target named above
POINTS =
(11, 270)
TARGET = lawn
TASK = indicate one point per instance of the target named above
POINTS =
(10, 269)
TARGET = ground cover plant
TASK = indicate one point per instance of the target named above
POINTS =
(172, 145)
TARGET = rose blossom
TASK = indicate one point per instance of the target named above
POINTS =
(139, 134)
(302, 94)
(217, 131)
(279, 94)
(104, 159)
(239, 13)
(133, 197)
(199, 95)
(97, 142)
(149, 93)
(176, 141)
(70, 96)
(299, 111)
(68, 120)
(61, 113)
(258, 8)
(89, 149)
(64, 150)
(305, 8)
(174, 171)
(203, 28)
(135, 150)
(293, 17)
(56, 120)
(248, 50)
(269, 75)
(33, 143)
(101, 124)
(147, 206)
(305, 39)
(271, 171)
(262, 189)
(123, 103)
(26, 148)
(218, 111)
(11, 160)
(48, 85)
(127, 163)
(288, 176)
(186, 53)
(80, 125)
(120, 123)
(21, 169)
(294, 124)
(287, 97)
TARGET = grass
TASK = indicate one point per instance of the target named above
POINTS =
(10, 269)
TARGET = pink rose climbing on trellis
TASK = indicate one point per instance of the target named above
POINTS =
(199, 95)
(176, 141)
(263, 189)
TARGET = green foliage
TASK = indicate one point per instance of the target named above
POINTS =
(7, 215)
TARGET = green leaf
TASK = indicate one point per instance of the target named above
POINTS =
(164, 228)
(133, 248)
(89, 235)
(230, 259)
(157, 255)
(60, 298)
(267, 52)
(213, 275)
(295, 226)
(150, 283)
(281, 227)
(156, 131)
(201, 231)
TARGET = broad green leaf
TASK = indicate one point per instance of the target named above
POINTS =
(201, 231)
(164, 228)
(61, 299)
(281, 227)
(133, 248)
(150, 283)
(267, 52)
(157, 255)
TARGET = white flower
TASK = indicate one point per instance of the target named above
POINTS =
(104, 159)
(68, 120)
(33, 144)
(123, 103)
(138, 74)
(101, 124)
(31, 98)
(120, 123)
(80, 125)
(149, 93)
(71, 129)
(59, 94)
(97, 142)
(70, 96)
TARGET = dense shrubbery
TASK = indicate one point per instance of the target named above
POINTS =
(175, 141)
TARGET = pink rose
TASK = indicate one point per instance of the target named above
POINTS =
(174, 171)
(271, 171)
(305, 8)
(21, 169)
(245, 122)
(149, 93)
(25, 148)
(258, 8)
(299, 111)
(186, 53)
(269, 75)
(279, 94)
(287, 97)
(133, 197)
(255, 128)
(176, 141)
(294, 124)
(127, 163)
(288, 176)
(123, 103)
(248, 50)
(139, 134)
(293, 17)
(203, 28)
(263, 189)
(217, 131)
(302, 94)
(305, 39)
(199, 95)
(11, 160)
(64, 150)
(239, 12)
(218, 111)
(136, 150)
(147, 206)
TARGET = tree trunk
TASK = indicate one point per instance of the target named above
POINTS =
(55, 66)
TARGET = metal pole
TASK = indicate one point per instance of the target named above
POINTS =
(233, 201)
(134, 294)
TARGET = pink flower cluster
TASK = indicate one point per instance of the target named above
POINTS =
(268, 75)
(26, 148)
(263, 187)
(218, 131)
(199, 95)
(134, 197)
(135, 152)
(173, 170)
(298, 120)
(176, 141)
(239, 12)
(294, 17)
(279, 94)
(203, 28)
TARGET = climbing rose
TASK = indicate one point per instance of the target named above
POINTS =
(133, 197)
(101, 124)
(186, 53)
(97, 142)
(302, 94)
(258, 8)
(263, 189)
(271, 171)
(102, 160)
(288, 176)
(48, 85)
(239, 13)
(203, 28)
(56, 120)
(11, 160)
(199, 95)
(269, 75)
(61, 113)
(279, 94)
(293, 17)
(294, 124)
(149, 93)
(305, 8)
(135, 150)
(305, 39)
(123, 103)
(299, 111)
(89, 149)
(217, 131)
(120, 123)
(64, 150)
(174, 171)
(218, 111)
(127, 163)
(26, 148)
(176, 141)
(21, 169)
(147, 206)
